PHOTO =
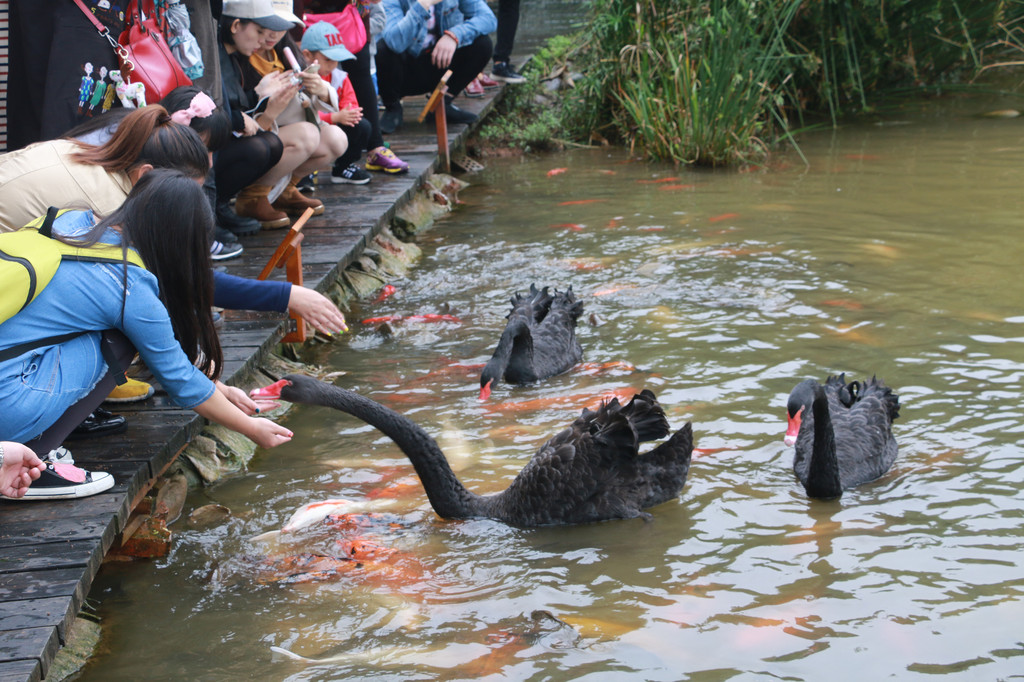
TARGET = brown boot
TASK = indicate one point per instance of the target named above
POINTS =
(295, 202)
(252, 203)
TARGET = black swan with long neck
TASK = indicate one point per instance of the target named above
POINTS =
(591, 471)
(539, 340)
(842, 432)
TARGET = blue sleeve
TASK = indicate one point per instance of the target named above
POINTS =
(405, 21)
(479, 21)
(148, 326)
(241, 293)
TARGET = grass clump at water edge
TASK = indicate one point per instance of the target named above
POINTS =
(718, 82)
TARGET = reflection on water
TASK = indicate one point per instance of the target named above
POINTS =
(894, 252)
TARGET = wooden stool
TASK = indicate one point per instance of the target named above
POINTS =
(436, 104)
(289, 256)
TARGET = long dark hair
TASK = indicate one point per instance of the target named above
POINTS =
(167, 220)
(148, 135)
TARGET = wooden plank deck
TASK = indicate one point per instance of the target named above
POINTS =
(50, 552)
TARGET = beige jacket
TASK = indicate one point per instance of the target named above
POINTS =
(43, 175)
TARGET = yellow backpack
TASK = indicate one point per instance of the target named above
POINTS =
(29, 259)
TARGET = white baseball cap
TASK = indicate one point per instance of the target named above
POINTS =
(259, 11)
(283, 9)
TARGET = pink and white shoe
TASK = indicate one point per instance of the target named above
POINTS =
(383, 160)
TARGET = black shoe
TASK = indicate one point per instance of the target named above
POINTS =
(453, 115)
(100, 423)
(503, 72)
(306, 184)
(391, 119)
(228, 219)
(224, 250)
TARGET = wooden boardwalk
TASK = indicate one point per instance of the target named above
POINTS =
(51, 551)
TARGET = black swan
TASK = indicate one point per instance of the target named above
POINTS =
(842, 432)
(539, 340)
(591, 471)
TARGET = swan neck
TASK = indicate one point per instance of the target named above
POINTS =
(823, 470)
(447, 495)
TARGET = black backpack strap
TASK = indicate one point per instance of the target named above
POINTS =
(46, 229)
(21, 348)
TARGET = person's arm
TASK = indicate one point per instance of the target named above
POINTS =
(265, 433)
(148, 326)
(240, 293)
(479, 21)
(20, 467)
(404, 21)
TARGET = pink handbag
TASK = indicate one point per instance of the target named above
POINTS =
(349, 24)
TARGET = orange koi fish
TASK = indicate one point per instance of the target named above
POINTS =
(575, 227)
(844, 303)
(388, 290)
(430, 317)
(556, 171)
(724, 216)
(602, 367)
(580, 202)
(588, 400)
(659, 181)
(610, 290)
(703, 452)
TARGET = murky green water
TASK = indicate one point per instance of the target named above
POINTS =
(895, 252)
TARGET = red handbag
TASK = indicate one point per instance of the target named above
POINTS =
(349, 24)
(144, 55)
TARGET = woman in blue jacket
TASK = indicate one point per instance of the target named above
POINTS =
(162, 311)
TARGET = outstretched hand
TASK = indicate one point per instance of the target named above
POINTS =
(21, 467)
(317, 309)
(266, 433)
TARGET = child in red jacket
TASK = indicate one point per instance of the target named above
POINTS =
(322, 42)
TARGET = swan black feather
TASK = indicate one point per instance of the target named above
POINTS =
(539, 339)
(590, 471)
(842, 433)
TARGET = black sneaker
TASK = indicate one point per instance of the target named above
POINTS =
(350, 175)
(228, 219)
(100, 423)
(306, 184)
(454, 116)
(391, 119)
(65, 481)
(503, 71)
(221, 251)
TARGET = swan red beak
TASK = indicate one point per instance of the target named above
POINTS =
(485, 390)
(271, 392)
(793, 429)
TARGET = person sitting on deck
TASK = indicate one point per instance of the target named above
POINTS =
(421, 40)
(62, 172)
(112, 309)
(257, 81)
(19, 466)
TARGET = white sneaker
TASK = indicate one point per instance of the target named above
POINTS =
(60, 456)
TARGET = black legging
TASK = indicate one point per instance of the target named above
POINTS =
(117, 349)
(508, 22)
(358, 71)
(401, 74)
(357, 136)
(243, 160)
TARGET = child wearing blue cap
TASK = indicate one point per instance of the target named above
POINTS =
(322, 43)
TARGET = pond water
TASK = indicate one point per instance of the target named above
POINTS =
(894, 251)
